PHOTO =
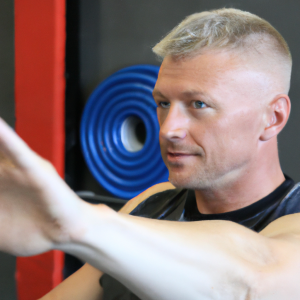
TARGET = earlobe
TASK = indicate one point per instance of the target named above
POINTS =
(277, 117)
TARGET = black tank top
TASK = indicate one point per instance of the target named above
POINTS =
(180, 205)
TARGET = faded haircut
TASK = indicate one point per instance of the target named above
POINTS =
(225, 28)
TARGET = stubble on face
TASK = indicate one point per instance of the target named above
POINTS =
(202, 175)
(223, 138)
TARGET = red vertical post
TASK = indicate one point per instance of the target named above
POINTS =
(40, 98)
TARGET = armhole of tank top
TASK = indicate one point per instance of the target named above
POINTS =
(134, 202)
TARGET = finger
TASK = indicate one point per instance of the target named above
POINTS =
(13, 148)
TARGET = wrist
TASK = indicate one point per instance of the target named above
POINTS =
(87, 228)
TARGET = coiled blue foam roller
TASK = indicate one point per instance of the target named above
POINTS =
(119, 133)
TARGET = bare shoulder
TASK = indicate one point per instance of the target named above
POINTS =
(286, 225)
(134, 202)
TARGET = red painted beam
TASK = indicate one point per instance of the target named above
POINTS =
(40, 98)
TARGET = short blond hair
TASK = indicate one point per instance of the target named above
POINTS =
(225, 28)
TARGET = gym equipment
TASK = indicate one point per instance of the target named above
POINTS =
(40, 38)
(119, 132)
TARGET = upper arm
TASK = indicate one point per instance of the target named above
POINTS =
(83, 284)
(284, 225)
(134, 202)
(280, 276)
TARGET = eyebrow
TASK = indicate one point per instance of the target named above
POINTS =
(157, 93)
(187, 94)
(193, 93)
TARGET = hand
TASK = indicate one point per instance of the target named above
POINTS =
(37, 209)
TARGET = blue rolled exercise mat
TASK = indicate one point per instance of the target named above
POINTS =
(119, 133)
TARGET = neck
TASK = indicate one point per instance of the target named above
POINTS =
(245, 189)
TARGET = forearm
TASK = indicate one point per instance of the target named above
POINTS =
(170, 260)
(155, 259)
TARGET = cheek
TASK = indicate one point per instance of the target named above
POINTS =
(241, 134)
(237, 133)
(247, 126)
(161, 116)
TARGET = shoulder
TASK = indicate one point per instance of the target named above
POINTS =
(284, 226)
(134, 202)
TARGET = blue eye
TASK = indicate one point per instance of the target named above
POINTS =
(199, 104)
(164, 104)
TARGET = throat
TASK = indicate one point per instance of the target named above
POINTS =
(213, 203)
(218, 201)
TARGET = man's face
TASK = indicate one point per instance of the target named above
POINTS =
(211, 114)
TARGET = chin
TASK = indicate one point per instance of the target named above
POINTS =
(196, 182)
(182, 182)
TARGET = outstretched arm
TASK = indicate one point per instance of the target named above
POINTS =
(155, 259)
(84, 284)
(196, 260)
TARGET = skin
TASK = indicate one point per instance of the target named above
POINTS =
(214, 112)
(189, 260)
(193, 260)
(84, 284)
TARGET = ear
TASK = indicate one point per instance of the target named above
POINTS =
(276, 117)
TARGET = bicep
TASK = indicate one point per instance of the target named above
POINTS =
(133, 203)
(83, 284)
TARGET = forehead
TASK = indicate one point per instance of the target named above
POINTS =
(214, 74)
(204, 68)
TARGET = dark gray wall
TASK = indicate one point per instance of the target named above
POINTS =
(7, 61)
(118, 33)
(7, 262)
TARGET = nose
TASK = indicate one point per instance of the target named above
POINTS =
(174, 126)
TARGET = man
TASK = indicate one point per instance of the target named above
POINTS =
(222, 100)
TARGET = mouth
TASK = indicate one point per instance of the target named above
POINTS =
(178, 156)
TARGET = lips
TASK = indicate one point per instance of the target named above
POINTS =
(178, 156)
(175, 154)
